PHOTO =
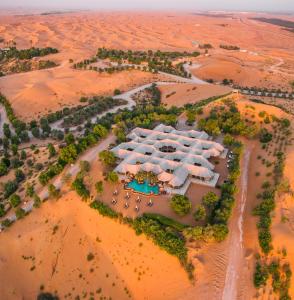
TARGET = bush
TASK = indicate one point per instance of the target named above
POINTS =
(181, 205)
(20, 213)
(104, 209)
(47, 296)
(99, 187)
(165, 221)
(210, 199)
(261, 275)
(200, 213)
(14, 200)
(107, 157)
(112, 177)
(53, 191)
(9, 188)
(81, 189)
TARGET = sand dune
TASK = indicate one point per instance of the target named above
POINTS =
(121, 259)
(37, 93)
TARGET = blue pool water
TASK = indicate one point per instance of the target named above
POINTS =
(144, 188)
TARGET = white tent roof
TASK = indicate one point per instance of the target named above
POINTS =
(144, 153)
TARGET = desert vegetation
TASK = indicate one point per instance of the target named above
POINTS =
(152, 61)
(13, 60)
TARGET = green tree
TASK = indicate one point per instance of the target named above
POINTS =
(99, 187)
(20, 213)
(210, 199)
(181, 205)
(37, 201)
(107, 157)
(14, 200)
(23, 155)
(51, 149)
(117, 92)
(79, 186)
(53, 191)
(69, 139)
(6, 130)
(200, 213)
(19, 175)
(85, 166)
(30, 191)
(69, 153)
(3, 169)
(112, 177)
(100, 131)
(9, 188)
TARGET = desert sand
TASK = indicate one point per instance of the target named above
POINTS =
(78, 35)
(52, 244)
(180, 94)
(38, 93)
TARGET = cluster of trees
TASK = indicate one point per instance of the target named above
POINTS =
(70, 152)
(85, 113)
(229, 47)
(181, 205)
(267, 205)
(227, 119)
(46, 64)
(138, 57)
(219, 208)
(79, 186)
(280, 275)
(13, 52)
(154, 61)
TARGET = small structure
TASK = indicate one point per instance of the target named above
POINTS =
(176, 157)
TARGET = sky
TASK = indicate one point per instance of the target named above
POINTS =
(241, 5)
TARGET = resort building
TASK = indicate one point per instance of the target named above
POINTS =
(176, 157)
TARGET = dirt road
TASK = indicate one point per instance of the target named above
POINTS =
(235, 245)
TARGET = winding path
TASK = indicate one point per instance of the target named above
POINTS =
(236, 247)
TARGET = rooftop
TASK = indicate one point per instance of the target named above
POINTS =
(171, 154)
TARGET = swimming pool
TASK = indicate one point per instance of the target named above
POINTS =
(144, 188)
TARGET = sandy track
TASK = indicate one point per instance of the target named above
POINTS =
(236, 247)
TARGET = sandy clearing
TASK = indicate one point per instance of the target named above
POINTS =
(180, 94)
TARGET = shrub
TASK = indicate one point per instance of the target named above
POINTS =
(20, 213)
(261, 275)
(9, 188)
(30, 191)
(81, 189)
(53, 191)
(84, 166)
(104, 209)
(37, 201)
(99, 187)
(181, 205)
(200, 213)
(112, 177)
(107, 157)
(14, 200)
(210, 199)
(19, 175)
